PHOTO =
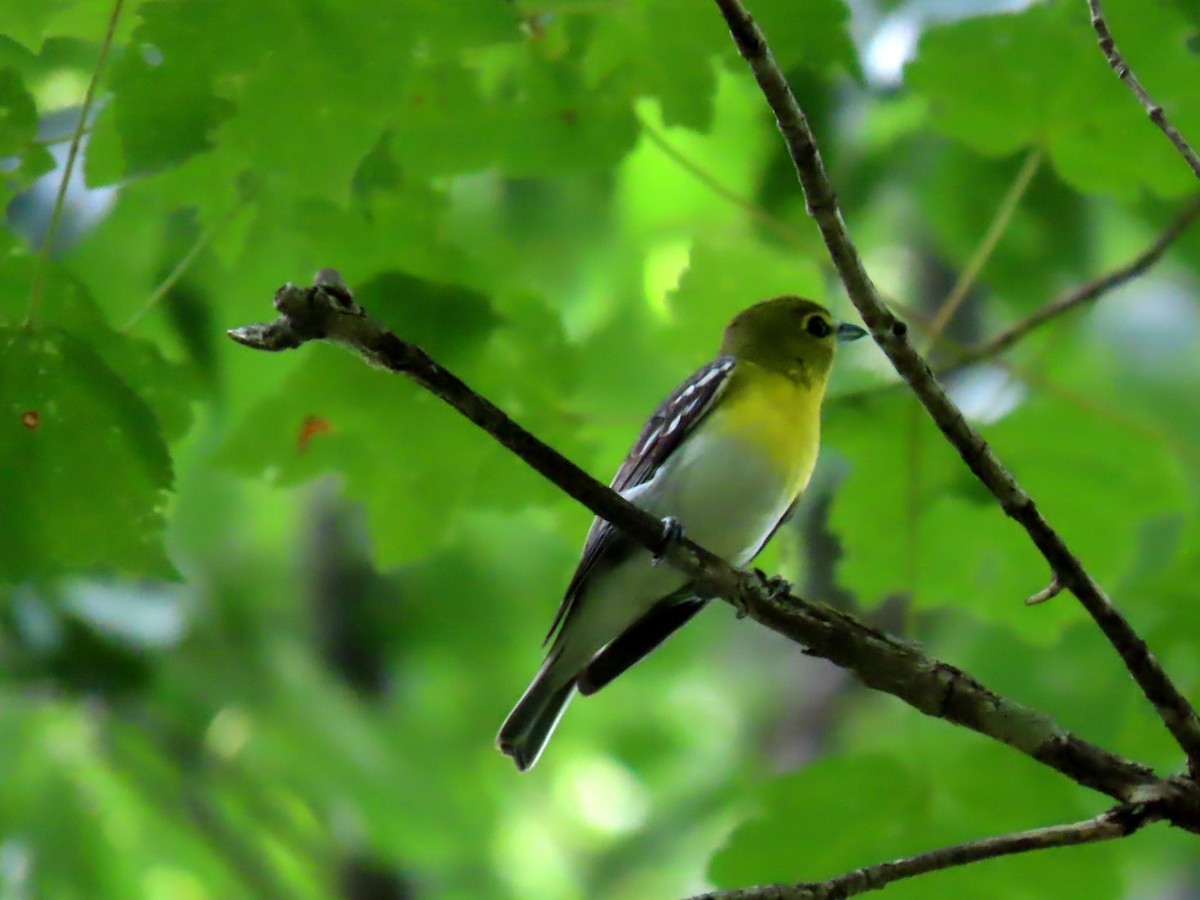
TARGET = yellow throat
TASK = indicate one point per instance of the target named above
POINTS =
(777, 414)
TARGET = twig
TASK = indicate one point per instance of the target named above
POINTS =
(1118, 822)
(891, 334)
(1084, 293)
(1049, 592)
(1088, 292)
(43, 257)
(1000, 223)
(327, 311)
(185, 262)
(1026, 374)
(1117, 63)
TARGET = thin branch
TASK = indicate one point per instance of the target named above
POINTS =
(1084, 293)
(185, 262)
(1088, 292)
(1049, 592)
(1000, 222)
(327, 311)
(1117, 63)
(43, 258)
(1118, 822)
(1035, 379)
(891, 334)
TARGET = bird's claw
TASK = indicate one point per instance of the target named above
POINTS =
(672, 535)
(776, 586)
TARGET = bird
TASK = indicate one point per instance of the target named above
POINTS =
(724, 459)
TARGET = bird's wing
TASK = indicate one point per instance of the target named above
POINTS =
(636, 641)
(663, 619)
(664, 431)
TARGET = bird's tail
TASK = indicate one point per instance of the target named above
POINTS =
(528, 727)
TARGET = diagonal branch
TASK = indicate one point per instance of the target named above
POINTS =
(1118, 822)
(1117, 63)
(327, 311)
(1084, 293)
(891, 334)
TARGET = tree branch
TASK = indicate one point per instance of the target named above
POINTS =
(1117, 63)
(326, 311)
(891, 334)
(1084, 293)
(1118, 822)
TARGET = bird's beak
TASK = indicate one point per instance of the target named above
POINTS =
(847, 332)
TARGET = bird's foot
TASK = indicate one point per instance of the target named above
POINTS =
(775, 586)
(672, 535)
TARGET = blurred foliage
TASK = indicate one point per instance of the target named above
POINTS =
(262, 615)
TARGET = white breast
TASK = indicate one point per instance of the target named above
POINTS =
(722, 489)
(728, 497)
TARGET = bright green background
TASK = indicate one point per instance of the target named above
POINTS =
(263, 614)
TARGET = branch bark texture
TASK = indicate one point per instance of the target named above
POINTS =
(891, 334)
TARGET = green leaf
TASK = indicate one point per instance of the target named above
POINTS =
(724, 276)
(1190, 9)
(26, 22)
(66, 303)
(959, 193)
(412, 460)
(62, 509)
(663, 49)
(18, 113)
(812, 33)
(419, 309)
(853, 810)
(37, 25)
(1046, 84)
(163, 110)
(1074, 464)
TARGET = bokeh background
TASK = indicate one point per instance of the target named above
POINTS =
(263, 614)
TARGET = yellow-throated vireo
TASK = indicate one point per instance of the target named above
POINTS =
(725, 457)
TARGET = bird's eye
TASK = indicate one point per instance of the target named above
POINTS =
(818, 327)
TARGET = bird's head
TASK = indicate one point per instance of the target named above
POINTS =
(790, 335)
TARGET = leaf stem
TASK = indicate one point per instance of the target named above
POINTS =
(43, 258)
(987, 245)
(185, 262)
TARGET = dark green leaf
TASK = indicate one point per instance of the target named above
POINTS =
(18, 113)
(64, 510)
